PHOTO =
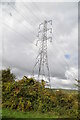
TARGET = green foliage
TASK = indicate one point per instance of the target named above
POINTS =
(31, 95)
(78, 84)
(7, 75)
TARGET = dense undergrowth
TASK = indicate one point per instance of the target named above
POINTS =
(30, 95)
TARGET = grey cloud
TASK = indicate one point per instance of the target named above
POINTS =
(20, 53)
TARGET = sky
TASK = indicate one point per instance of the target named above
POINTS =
(19, 23)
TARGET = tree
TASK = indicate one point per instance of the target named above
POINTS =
(7, 76)
(78, 84)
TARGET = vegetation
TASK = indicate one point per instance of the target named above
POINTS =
(7, 75)
(31, 97)
(9, 113)
(78, 84)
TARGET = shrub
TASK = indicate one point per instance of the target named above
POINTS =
(7, 76)
(28, 94)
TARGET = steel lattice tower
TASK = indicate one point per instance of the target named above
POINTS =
(42, 58)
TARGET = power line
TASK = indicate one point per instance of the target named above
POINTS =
(23, 17)
(35, 6)
(15, 31)
(22, 24)
(64, 59)
(31, 11)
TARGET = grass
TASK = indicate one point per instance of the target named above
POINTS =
(67, 91)
(8, 113)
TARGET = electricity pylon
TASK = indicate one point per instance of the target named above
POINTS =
(42, 58)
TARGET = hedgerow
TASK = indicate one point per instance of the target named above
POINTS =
(28, 94)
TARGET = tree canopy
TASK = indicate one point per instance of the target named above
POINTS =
(7, 76)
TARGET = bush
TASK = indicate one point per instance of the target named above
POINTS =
(7, 76)
(28, 94)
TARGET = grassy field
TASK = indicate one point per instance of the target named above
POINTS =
(8, 113)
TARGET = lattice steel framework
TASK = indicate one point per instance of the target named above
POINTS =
(44, 35)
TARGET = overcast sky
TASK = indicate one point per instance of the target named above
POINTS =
(19, 23)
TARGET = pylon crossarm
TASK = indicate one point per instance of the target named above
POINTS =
(42, 59)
